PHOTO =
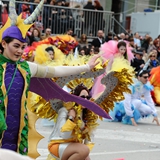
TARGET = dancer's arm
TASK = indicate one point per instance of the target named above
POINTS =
(65, 126)
(61, 71)
(128, 107)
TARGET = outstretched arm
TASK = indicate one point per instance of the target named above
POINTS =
(61, 71)
(128, 109)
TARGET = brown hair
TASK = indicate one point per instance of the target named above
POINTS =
(79, 88)
(122, 43)
(81, 39)
(39, 33)
(155, 42)
(97, 4)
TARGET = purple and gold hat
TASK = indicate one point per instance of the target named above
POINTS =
(13, 32)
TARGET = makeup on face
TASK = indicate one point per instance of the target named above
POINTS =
(13, 50)
(122, 50)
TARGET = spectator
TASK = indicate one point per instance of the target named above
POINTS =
(78, 19)
(122, 37)
(91, 51)
(115, 38)
(52, 13)
(151, 47)
(47, 33)
(126, 36)
(153, 61)
(21, 6)
(155, 51)
(109, 37)
(25, 10)
(137, 41)
(138, 62)
(52, 2)
(129, 32)
(82, 52)
(96, 50)
(46, 14)
(99, 40)
(4, 13)
(98, 17)
(69, 32)
(39, 26)
(157, 46)
(83, 41)
(64, 17)
(146, 42)
(36, 36)
(88, 17)
(131, 42)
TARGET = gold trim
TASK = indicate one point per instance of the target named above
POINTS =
(4, 91)
(33, 136)
(3, 86)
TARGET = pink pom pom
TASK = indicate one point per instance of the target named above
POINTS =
(109, 49)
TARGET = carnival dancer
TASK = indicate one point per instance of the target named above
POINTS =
(73, 130)
(72, 135)
(116, 83)
(119, 54)
(138, 104)
(15, 79)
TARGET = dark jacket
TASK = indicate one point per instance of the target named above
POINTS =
(136, 63)
(97, 43)
(88, 15)
(89, 6)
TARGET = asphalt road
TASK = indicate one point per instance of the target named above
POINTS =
(115, 141)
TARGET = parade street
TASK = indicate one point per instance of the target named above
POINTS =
(115, 141)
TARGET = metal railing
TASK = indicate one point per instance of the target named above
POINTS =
(121, 27)
(81, 21)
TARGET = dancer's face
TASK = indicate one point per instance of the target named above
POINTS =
(51, 55)
(13, 50)
(122, 50)
(144, 78)
(84, 94)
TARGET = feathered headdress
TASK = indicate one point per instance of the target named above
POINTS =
(110, 49)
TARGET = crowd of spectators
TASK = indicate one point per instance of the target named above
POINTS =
(59, 15)
(60, 19)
